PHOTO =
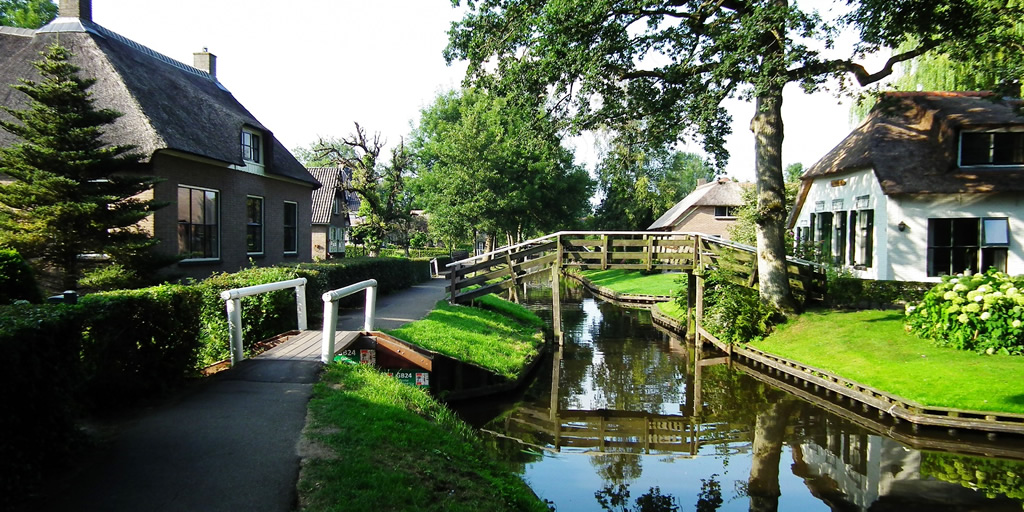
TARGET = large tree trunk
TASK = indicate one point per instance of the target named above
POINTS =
(771, 203)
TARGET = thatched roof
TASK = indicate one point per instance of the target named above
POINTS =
(334, 179)
(166, 105)
(720, 192)
(911, 142)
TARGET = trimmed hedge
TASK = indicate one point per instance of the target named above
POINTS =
(138, 343)
(40, 375)
(392, 274)
(16, 279)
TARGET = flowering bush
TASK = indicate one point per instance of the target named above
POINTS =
(983, 312)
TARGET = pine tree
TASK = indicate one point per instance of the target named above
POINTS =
(71, 193)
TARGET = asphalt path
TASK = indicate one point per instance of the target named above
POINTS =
(229, 443)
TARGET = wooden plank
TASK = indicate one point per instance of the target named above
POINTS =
(405, 351)
(583, 243)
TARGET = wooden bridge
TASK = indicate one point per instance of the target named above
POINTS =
(652, 251)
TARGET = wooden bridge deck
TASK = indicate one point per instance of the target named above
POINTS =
(306, 346)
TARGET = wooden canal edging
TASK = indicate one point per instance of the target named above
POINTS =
(620, 299)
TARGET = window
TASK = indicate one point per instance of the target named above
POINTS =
(337, 205)
(291, 227)
(725, 211)
(839, 238)
(862, 234)
(254, 225)
(992, 148)
(197, 223)
(959, 245)
(823, 237)
(251, 148)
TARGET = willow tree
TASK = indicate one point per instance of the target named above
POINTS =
(672, 63)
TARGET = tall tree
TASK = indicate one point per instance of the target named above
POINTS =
(27, 13)
(671, 63)
(492, 165)
(72, 193)
(381, 185)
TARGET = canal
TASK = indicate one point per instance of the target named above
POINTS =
(620, 418)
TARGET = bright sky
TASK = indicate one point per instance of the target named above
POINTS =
(310, 68)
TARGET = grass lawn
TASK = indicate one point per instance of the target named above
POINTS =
(672, 309)
(501, 338)
(871, 347)
(635, 282)
(389, 446)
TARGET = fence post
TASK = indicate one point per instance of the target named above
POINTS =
(234, 307)
(329, 330)
(300, 306)
(371, 308)
(455, 281)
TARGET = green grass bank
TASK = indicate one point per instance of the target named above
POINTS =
(499, 335)
(384, 445)
(873, 348)
(635, 282)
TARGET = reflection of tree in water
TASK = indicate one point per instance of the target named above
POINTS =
(615, 498)
(617, 468)
(710, 496)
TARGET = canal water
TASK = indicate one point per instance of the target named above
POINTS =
(622, 419)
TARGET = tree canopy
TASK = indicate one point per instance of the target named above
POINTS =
(72, 194)
(27, 13)
(489, 165)
(638, 184)
(671, 64)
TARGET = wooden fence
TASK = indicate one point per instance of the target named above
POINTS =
(653, 251)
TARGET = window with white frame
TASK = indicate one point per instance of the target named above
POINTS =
(252, 147)
(291, 227)
(725, 211)
(254, 225)
(967, 244)
(991, 148)
(198, 227)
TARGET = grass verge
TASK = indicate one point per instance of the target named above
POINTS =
(501, 339)
(635, 282)
(672, 309)
(872, 347)
(389, 446)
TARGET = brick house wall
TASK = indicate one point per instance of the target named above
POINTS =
(703, 220)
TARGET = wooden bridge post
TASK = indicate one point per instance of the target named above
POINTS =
(455, 281)
(698, 273)
(512, 276)
(650, 251)
(691, 296)
(606, 250)
(556, 293)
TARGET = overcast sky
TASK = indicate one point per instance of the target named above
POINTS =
(310, 68)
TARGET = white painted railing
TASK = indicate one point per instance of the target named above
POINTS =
(233, 299)
(331, 313)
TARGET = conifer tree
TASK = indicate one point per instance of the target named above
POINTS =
(72, 193)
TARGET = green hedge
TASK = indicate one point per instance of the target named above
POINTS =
(40, 376)
(16, 279)
(392, 274)
(138, 343)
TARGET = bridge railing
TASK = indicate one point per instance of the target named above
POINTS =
(331, 313)
(233, 303)
(504, 268)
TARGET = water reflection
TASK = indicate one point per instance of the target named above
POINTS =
(618, 419)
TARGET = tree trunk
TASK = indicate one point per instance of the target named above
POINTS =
(771, 203)
(769, 434)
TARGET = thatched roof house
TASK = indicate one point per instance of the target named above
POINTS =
(192, 132)
(709, 209)
(928, 185)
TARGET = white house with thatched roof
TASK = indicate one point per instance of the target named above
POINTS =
(235, 193)
(931, 184)
(710, 209)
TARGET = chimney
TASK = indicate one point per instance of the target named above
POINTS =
(81, 9)
(205, 61)
(701, 181)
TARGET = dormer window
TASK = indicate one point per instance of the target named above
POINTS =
(991, 148)
(252, 149)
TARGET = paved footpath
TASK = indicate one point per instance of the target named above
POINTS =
(229, 444)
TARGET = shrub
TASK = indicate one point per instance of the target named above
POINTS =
(39, 374)
(391, 274)
(982, 312)
(16, 279)
(109, 277)
(733, 312)
(138, 343)
(846, 291)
